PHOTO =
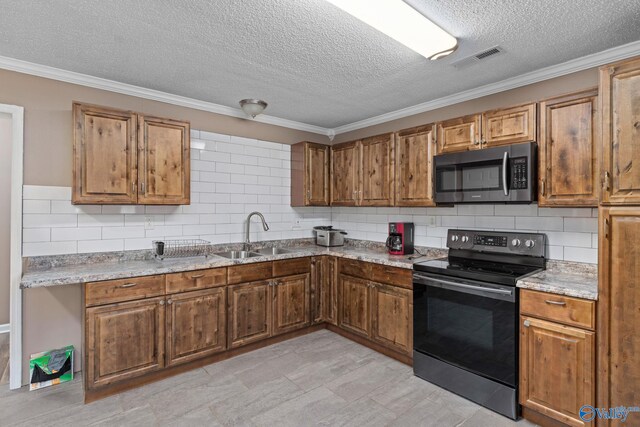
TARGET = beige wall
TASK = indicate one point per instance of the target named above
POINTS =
(5, 214)
(52, 317)
(47, 122)
(535, 92)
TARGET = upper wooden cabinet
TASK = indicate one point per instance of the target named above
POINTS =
(509, 125)
(104, 155)
(459, 134)
(620, 92)
(163, 161)
(345, 174)
(121, 157)
(414, 151)
(567, 150)
(310, 174)
(489, 129)
(377, 177)
(362, 172)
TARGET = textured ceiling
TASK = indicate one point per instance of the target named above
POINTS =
(308, 59)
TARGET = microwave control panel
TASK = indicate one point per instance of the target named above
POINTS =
(519, 173)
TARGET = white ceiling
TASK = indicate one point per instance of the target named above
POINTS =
(313, 63)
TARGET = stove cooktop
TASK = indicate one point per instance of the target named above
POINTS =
(484, 271)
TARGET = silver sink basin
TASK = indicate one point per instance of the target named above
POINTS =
(274, 251)
(237, 254)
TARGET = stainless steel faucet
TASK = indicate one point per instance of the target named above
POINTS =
(247, 228)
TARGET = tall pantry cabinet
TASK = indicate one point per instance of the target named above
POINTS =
(618, 379)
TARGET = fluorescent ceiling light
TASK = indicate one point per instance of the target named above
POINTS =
(402, 23)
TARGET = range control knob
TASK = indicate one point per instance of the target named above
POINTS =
(529, 244)
(454, 238)
(515, 243)
(465, 239)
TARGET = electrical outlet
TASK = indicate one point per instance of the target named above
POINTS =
(431, 221)
(296, 224)
(148, 222)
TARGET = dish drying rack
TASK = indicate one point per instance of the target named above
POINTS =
(181, 248)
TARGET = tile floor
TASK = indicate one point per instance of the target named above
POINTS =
(320, 379)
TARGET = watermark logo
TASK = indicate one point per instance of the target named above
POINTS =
(588, 413)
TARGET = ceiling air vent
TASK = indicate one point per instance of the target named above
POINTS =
(477, 57)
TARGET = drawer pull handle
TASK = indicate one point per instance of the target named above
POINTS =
(127, 285)
(555, 302)
(197, 276)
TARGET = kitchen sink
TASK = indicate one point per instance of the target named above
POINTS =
(237, 254)
(274, 251)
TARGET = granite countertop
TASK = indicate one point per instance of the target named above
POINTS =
(83, 268)
(565, 278)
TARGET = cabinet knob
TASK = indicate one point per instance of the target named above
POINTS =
(526, 323)
(169, 301)
(161, 302)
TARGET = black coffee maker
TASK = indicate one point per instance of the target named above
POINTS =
(400, 240)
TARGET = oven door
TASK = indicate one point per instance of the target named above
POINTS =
(469, 324)
(500, 174)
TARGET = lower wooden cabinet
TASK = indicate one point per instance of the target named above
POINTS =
(196, 325)
(557, 366)
(291, 309)
(124, 340)
(354, 305)
(383, 313)
(249, 312)
(391, 325)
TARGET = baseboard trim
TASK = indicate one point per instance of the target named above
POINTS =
(5, 329)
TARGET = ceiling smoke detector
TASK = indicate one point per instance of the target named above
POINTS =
(253, 107)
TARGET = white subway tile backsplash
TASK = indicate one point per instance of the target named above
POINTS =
(233, 176)
(36, 206)
(77, 234)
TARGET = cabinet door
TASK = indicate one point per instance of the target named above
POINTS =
(567, 151)
(249, 308)
(377, 171)
(316, 176)
(620, 89)
(354, 305)
(414, 153)
(344, 174)
(461, 134)
(316, 288)
(392, 317)
(509, 125)
(196, 325)
(123, 341)
(330, 294)
(291, 303)
(164, 161)
(618, 314)
(557, 366)
(104, 155)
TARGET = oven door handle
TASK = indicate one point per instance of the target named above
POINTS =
(505, 161)
(454, 285)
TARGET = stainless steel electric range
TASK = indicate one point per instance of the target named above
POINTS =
(465, 314)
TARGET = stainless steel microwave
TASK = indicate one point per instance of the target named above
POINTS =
(506, 174)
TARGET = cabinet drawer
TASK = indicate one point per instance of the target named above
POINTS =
(288, 267)
(392, 275)
(99, 293)
(194, 280)
(249, 272)
(355, 268)
(558, 308)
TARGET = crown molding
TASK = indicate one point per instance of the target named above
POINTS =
(594, 60)
(572, 66)
(33, 69)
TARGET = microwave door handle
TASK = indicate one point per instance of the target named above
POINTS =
(505, 161)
